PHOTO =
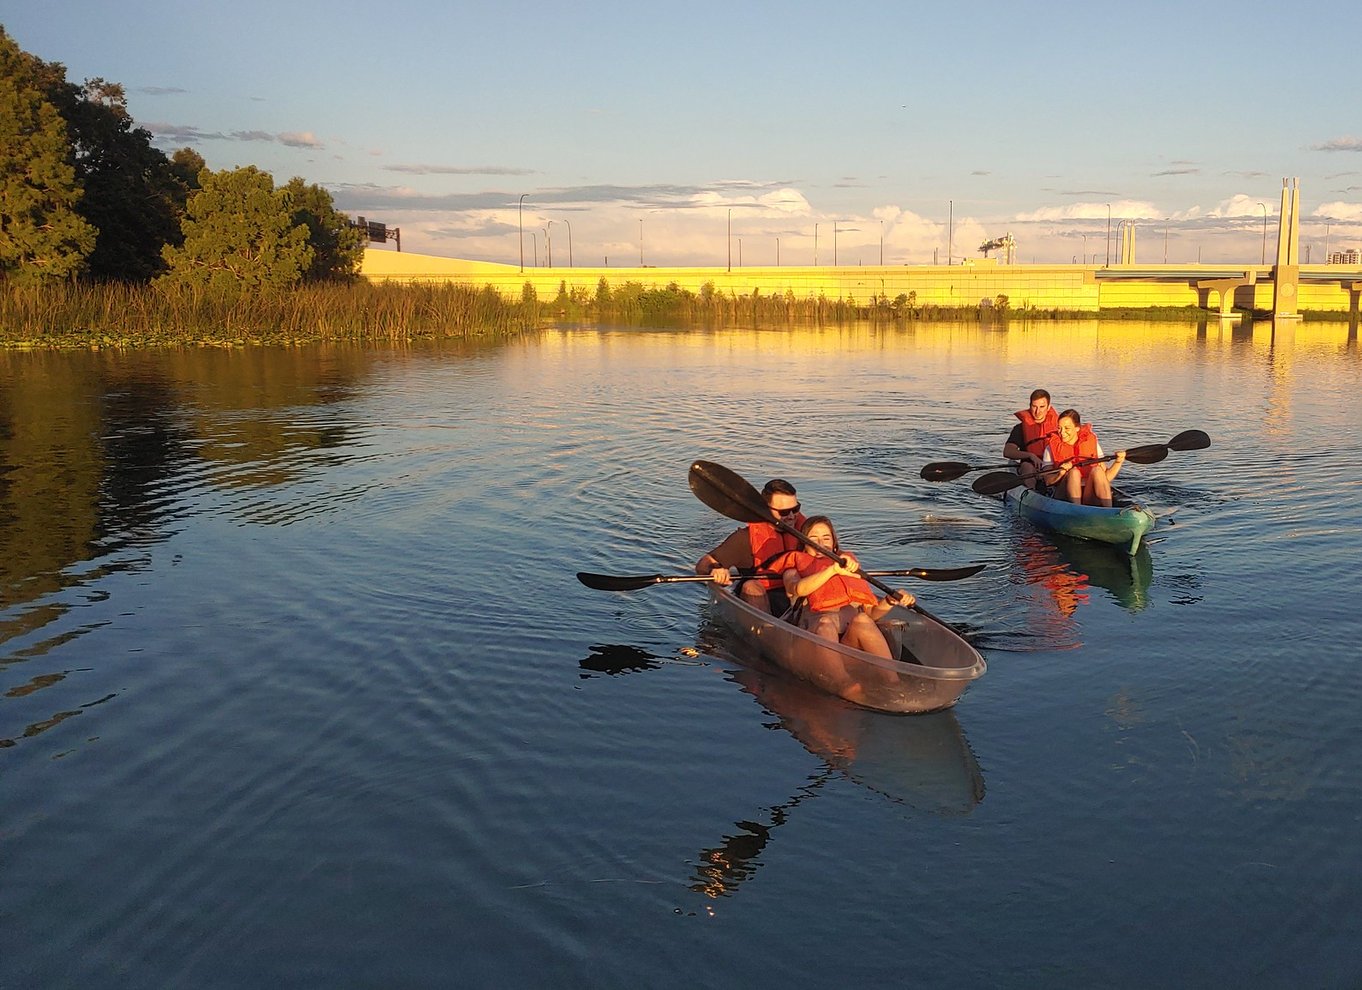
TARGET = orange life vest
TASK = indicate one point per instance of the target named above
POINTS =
(837, 590)
(1035, 434)
(772, 550)
(1084, 446)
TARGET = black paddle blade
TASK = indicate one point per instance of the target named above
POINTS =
(1149, 454)
(945, 573)
(996, 482)
(1189, 440)
(727, 493)
(945, 470)
(608, 582)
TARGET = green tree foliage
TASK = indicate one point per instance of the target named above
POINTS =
(187, 164)
(41, 233)
(239, 233)
(337, 247)
(133, 196)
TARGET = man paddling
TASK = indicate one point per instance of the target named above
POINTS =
(1026, 444)
(759, 546)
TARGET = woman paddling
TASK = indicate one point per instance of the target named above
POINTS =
(1089, 483)
(840, 605)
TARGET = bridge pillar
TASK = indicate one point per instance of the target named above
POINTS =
(1226, 287)
(1128, 244)
(1286, 273)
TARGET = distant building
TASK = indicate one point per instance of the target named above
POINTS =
(1349, 257)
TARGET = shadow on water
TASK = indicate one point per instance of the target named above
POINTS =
(618, 658)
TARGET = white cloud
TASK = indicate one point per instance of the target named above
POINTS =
(1347, 212)
(1339, 144)
(1240, 205)
(299, 139)
(1118, 210)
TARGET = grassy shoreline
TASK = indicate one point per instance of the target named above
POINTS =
(115, 315)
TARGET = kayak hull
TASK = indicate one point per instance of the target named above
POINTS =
(936, 663)
(1119, 525)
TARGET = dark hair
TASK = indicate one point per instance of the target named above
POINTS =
(1040, 393)
(777, 486)
(1073, 415)
(814, 520)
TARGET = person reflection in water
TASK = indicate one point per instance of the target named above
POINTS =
(840, 605)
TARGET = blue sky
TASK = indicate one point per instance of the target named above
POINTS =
(642, 128)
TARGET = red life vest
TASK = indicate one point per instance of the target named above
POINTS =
(837, 590)
(1035, 434)
(772, 549)
(1084, 446)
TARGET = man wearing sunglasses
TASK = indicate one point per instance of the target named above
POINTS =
(760, 547)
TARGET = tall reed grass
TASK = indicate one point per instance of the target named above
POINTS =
(65, 315)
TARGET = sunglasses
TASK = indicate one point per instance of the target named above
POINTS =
(791, 511)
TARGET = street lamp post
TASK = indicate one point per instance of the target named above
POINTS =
(1263, 260)
(548, 249)
(730, 239)
(569, 227)
(834, 244)
(548, 234)
(521, 212)
(1165, 239)
(777, 252)
(1085, 247)
(950, 231)
(1326, 243)
(535, 241)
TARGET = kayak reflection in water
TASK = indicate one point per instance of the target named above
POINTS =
(839, 604)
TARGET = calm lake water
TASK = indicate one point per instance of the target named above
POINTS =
(297, 686)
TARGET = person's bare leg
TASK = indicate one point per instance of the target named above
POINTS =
(1073, 485)
(755, 595)
(1098, 488)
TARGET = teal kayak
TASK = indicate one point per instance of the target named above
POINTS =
(1124, 524)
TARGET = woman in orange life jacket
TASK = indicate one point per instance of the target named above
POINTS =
(1089, 484)
(841, 605)
(759, 546)
(1026, 443)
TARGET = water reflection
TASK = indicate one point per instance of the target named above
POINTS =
(104, 454)
(922, 761)
(721, 869)
(99, 453)
(1060, 572)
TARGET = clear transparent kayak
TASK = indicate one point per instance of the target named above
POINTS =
(935, 662)
(1124, 524)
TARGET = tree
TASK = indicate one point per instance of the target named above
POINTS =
(41, 234)
(133, 196)
(187, 164)
(239, 233)
(337, 247)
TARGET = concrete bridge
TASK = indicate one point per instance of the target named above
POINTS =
(1282, 288)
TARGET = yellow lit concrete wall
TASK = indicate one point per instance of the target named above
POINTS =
(1070, 287)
